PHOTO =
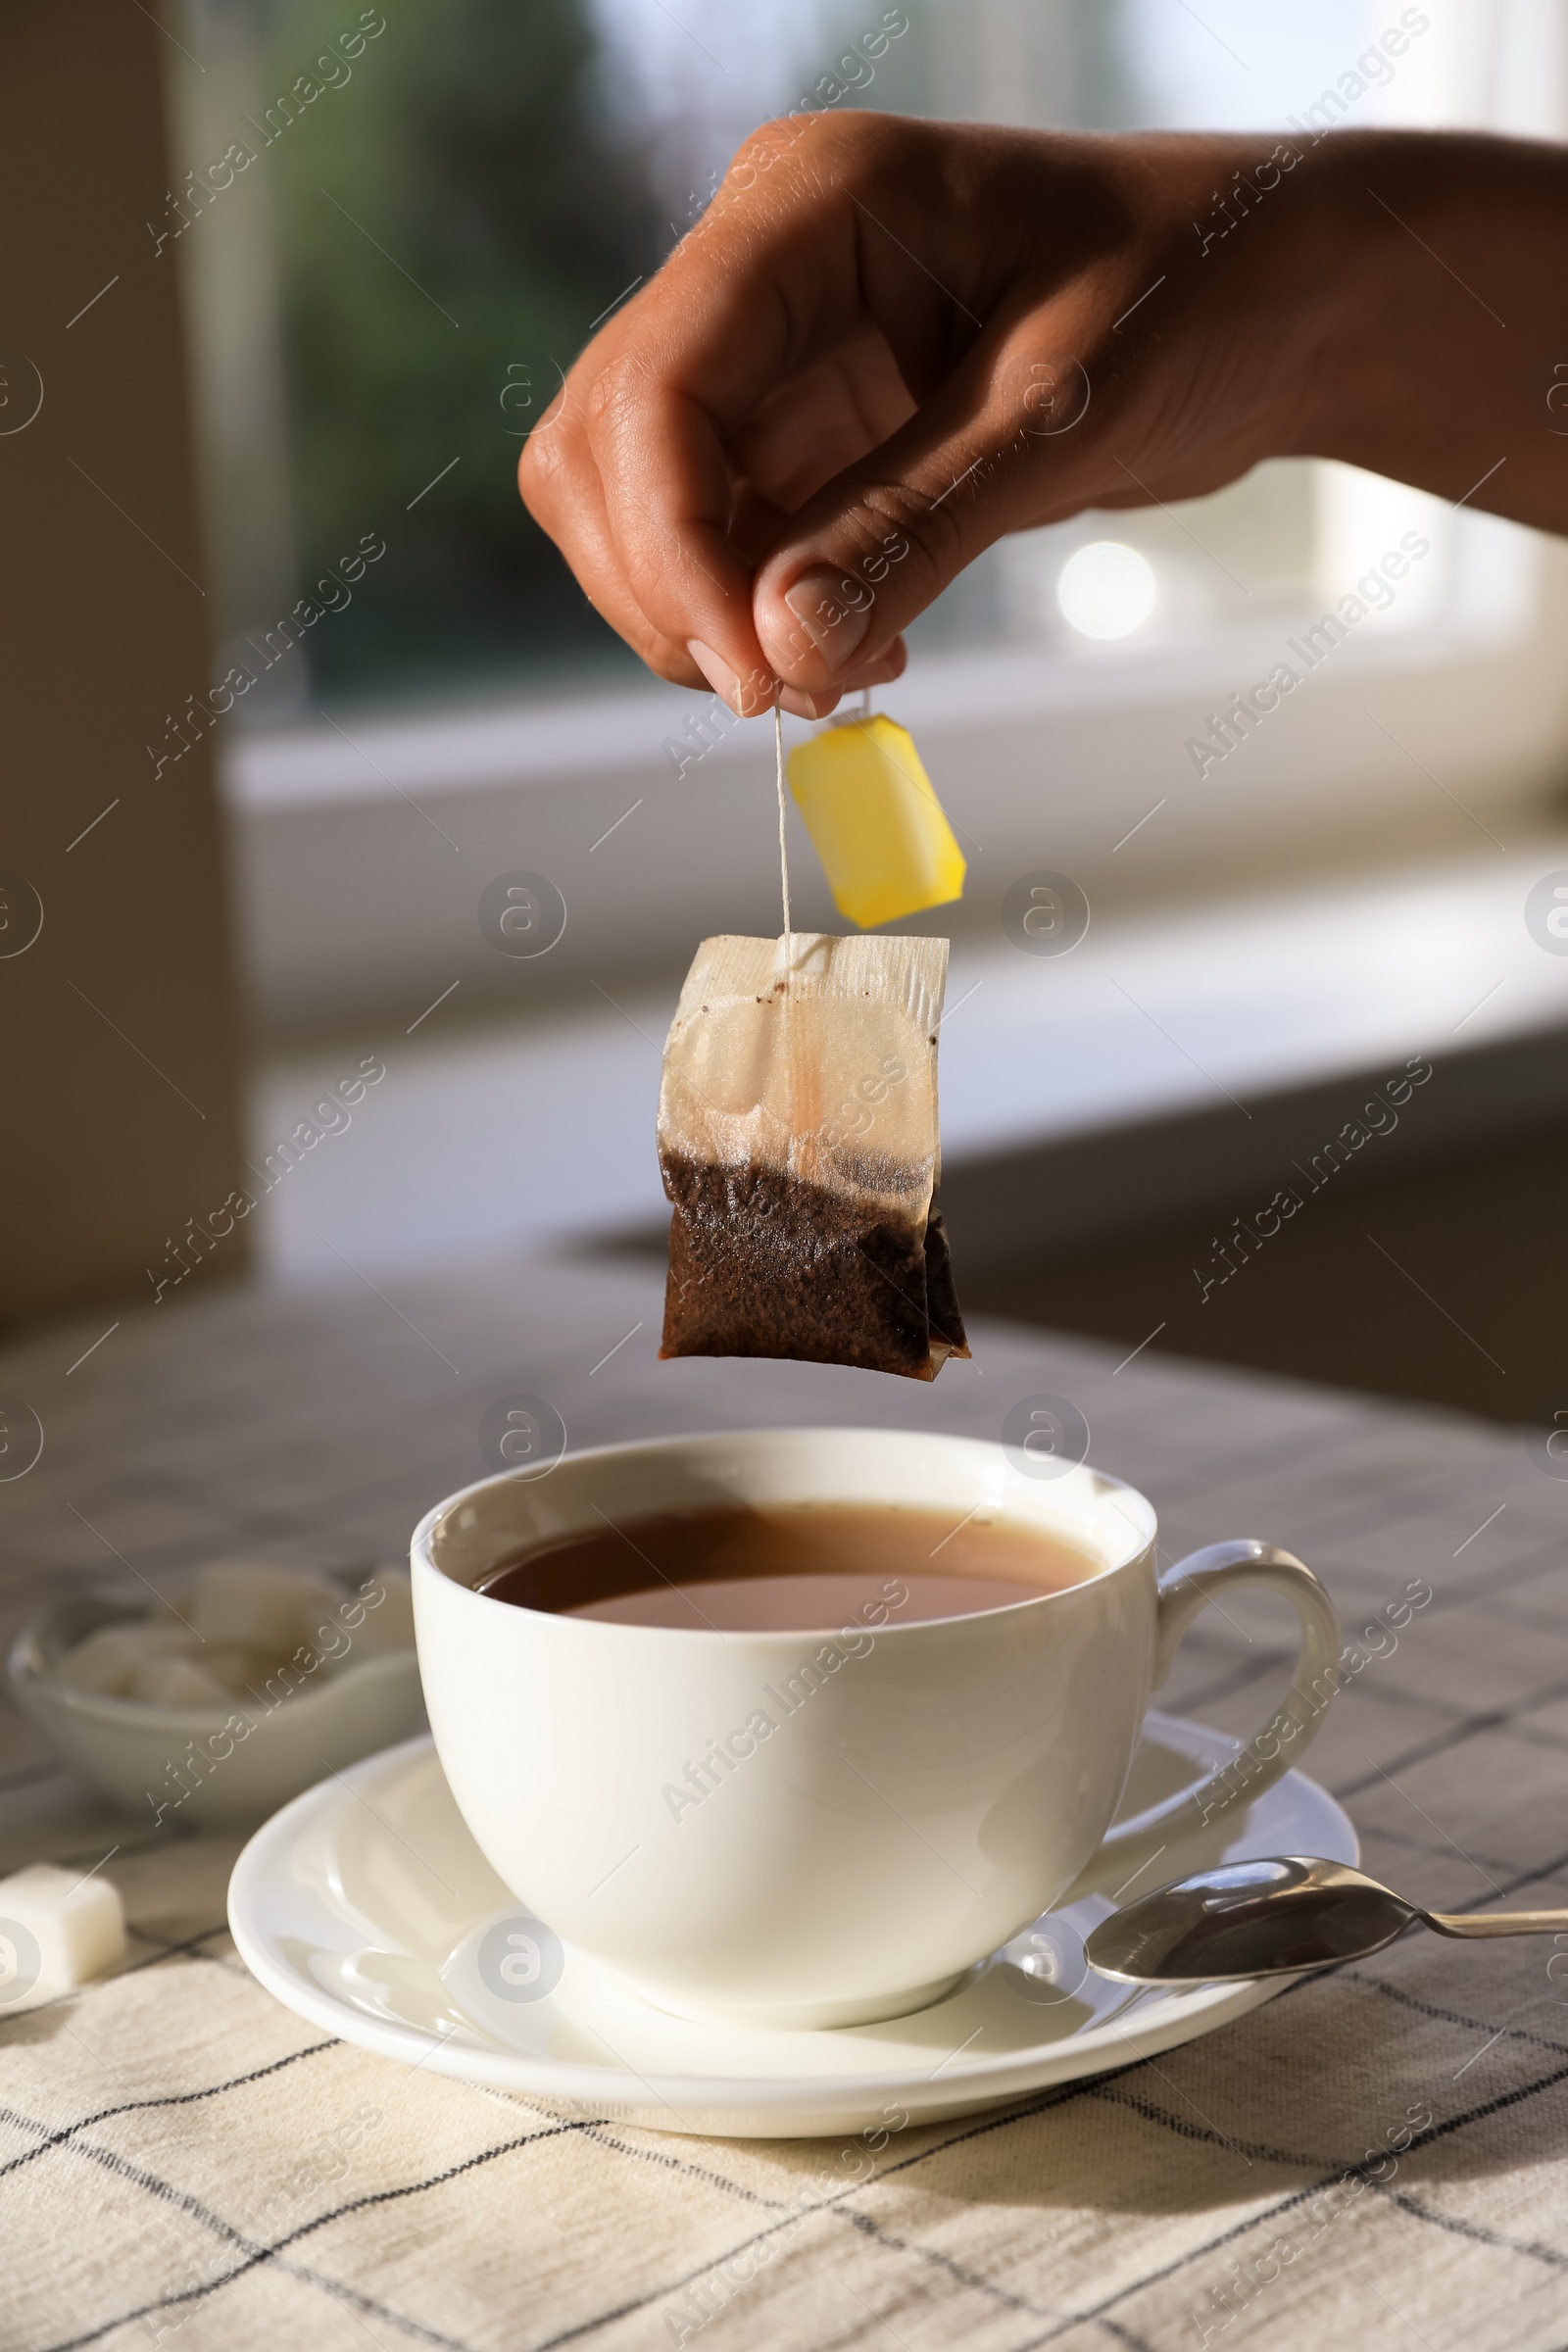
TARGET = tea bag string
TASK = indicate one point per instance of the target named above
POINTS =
(783, 846)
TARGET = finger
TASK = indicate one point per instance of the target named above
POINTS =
(684, 396)
(667, 508)
(888, 666)
(824, 418)
(563, 492)
(658, 413)
(874, 547)
(629, 557)
(797, 699)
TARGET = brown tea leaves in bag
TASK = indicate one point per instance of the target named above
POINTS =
(798, 1141)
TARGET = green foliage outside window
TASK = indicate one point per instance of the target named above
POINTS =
(470, 144)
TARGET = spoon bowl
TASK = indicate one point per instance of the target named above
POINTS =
(1278, 1916)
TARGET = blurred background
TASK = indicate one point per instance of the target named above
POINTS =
(390, 231)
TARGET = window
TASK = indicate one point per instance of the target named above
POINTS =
(399, 222)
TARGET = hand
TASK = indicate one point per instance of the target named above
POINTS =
(888, 342)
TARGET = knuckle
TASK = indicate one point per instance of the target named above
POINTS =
(841, 144)
(868, 150)
(933, 533)
(769, 134)
(555, 455)
(861, 137)
(543, 459)
(613, 394)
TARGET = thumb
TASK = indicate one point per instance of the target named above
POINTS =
(994, 451)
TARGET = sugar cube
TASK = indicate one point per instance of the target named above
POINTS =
(164, 1639)
(57, 1930)
(108, 1659)
(258, 1605)
(235, 1666)
(179, 1683)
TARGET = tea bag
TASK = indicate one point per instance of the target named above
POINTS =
(797, 1143)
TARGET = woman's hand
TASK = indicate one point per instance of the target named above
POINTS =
(889, 342)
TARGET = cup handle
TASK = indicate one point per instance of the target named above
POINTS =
(1184, 1590)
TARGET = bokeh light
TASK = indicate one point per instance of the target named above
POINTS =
(1105, 589)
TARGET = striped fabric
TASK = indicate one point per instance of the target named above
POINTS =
(1375, 2157)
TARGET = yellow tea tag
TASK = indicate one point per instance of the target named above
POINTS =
(874, 822)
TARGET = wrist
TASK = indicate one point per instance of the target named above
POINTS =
(1358, 235)
(1438, 254)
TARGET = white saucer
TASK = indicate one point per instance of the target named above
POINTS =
(364, 1903)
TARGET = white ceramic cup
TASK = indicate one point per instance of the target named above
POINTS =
(874, 1811)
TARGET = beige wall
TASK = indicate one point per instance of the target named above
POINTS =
(123, 1122)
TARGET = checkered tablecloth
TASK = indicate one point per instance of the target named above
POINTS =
(1377, 2157)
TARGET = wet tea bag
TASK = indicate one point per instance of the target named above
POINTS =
(797, 1143)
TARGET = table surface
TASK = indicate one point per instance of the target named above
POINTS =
(1376, 2156)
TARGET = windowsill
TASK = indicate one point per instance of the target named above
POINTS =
(524, 743)
(1075, 1071)
(361, 853)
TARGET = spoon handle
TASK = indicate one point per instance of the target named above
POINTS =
(1497, 1923)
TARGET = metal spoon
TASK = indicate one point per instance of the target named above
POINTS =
(1274, 1918)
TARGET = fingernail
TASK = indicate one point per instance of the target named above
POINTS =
(800, 704)
(834, 626)
(717, 671)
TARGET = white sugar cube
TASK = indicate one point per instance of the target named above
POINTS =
(260, 1606)
(179, 1683)
(163, 1637)
(232, 1666)
(388, 1620)
(108, 1660)
(57, 1928)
